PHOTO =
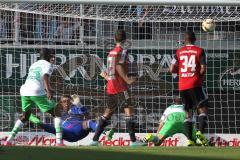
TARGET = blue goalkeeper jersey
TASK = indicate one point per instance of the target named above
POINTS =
(72, 124)
(74, 116)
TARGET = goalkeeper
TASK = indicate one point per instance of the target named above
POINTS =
(171, 122)
(74, 125)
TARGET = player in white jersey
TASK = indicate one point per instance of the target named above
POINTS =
(36, 91)
(171, 122)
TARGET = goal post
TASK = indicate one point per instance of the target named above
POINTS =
(81, 32)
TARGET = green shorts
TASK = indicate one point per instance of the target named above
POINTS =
(41, 102)
(174, 125)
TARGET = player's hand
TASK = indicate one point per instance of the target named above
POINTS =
(103, 74)
(131, 80)
(49, 95)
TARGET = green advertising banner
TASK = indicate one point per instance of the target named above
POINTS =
(79, 68)
(77, 72)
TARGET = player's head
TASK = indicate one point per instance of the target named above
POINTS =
(76, 99)
(189, 37)
(176, 97)
(120, 36)
(48, 55)
(66, 102)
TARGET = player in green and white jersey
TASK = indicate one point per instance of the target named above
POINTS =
(36, 91)
(171, 122)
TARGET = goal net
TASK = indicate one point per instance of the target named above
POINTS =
(82, 35)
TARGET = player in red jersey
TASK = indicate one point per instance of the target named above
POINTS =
(190, 64)
(117, 90)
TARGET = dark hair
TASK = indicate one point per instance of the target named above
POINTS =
(46, 54)
(66, 96)
(190, 36)
(176, 97)
(120, 36)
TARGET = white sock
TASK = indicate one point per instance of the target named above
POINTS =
(58, 128)
(19, 124)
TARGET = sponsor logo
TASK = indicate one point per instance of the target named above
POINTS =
(116, 142)
(32, 141)
(121, 141)
(230, 79)
(221, 142)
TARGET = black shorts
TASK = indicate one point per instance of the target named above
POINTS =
(194, 98)
(122, 99)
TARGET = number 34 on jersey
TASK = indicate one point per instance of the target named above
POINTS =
(188, 67)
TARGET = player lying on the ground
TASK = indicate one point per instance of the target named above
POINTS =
(36, 91)
(171, 122)
(74, 126)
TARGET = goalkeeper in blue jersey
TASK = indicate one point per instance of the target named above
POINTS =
(74, 125)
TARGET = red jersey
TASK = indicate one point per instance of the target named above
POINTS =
(115, 83)
(189, 60)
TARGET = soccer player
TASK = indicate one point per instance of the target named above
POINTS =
(74, 126)
(117, 90)
(37, 91)
(171, 122)
(190, 64)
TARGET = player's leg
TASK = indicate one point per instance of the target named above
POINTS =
(170, 127)
(202, 108)
(156, 139)
(72, 134)
(50, 106)
(202, 118)
(201, 102)
(188, 124)
(130, 117)
(56, 113)
(26, 108)
(92, 125)
(112, 103)
(46, 127)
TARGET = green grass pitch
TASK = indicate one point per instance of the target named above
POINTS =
(118, 153)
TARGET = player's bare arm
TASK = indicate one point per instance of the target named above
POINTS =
(160, 126)
(47, 85)
(104, 75)
(121, 71)
(203, 66)
(173, 68)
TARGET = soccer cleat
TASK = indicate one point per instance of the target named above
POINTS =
(6, 143)
(149, 137)
(109, 134)
(94, 143)
(190, 143)
(201, 139)
(138, 144)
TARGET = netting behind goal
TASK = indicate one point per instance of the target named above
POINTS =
(82, 35)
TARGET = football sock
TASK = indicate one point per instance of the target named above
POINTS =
(130, 124)
(202, 122)
(103, 122)
(188, 126)
(58, 128)
(19, 124)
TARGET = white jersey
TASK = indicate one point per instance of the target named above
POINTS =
(34, 85)
(172, 109)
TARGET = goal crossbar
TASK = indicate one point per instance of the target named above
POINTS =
(140, 2)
